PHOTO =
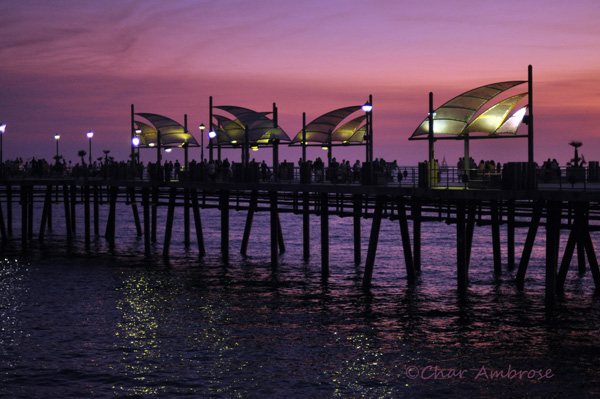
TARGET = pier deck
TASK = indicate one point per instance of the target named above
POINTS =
(554, 206)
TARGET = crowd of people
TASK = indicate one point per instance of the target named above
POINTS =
(215, 170)
(489, 166)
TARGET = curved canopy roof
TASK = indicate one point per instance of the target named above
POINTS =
(172, 134)
(490, 121)
(260, 127)
(452, 117)
(322, 129)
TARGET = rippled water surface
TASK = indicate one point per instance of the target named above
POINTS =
(111, 323)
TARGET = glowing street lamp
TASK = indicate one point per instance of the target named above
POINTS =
(57, 137)
(89, 135)
(201, 127)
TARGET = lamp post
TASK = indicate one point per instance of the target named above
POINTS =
(202, 127)
(211, 135)
(2, 130)
(135, 142)
(57, 137)
(368, 110)
(90, 134)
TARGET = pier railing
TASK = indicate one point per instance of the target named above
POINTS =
(440, 177)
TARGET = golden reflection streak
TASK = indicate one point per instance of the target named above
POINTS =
(365, 374)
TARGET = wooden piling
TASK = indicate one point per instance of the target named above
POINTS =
(574, 237)
(224, 206)
(280, 240)
(45, 212)
(274, 228)
(154, 212)
(470, 230)
(96, 212)
(306, 226)
(581, 243)
(169, 225)
(510, 236)
(527, 248)
(408, 259)
(9, 212)
(30, 212)
(73, 192)
(249, 219)
(67, 211)
(49, 210)
(186, 217)
(3, 233)
(24, 214)
(357, 200)
(324, 235)
(461, 248)
(373, 241)
(146, 206)
(591, 255)
(86, 207)
(553, 218)
(112, 215)
(496, 238)
(198, 223)
(134, 209)
(415, 212)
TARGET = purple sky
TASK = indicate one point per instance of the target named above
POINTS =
(72, 66)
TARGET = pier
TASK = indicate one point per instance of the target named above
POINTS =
(553, 207)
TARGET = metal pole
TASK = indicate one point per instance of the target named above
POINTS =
(430, 140)
(275, 146)
(371, 130)
(304, 137)
(210, 127)
(132, 136)
(201, 145)
(185, 145)
(90, 155)
(158, 148)
(530, 117)
(367, 139)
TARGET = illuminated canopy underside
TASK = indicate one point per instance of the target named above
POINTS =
(172, 134)
(229, 131)
(148, 136)
(453, 117)
(323, 130)
(512, 124)
(260, 127)
(492, 119)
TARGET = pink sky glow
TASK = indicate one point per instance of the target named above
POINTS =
(69, 66)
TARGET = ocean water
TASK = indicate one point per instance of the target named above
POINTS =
(110, 322)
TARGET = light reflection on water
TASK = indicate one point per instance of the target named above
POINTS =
(75, 324)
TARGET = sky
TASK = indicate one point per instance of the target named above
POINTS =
(70, 66)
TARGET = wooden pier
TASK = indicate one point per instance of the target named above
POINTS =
(571, 210)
